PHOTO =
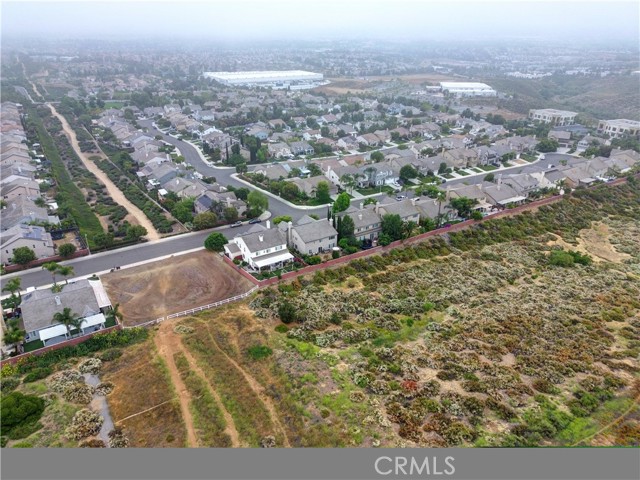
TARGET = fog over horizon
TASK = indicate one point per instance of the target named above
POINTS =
(317, 20)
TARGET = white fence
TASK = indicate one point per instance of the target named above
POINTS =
(196, 310)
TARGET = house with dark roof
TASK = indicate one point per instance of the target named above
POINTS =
(86, 299)
(310, 236)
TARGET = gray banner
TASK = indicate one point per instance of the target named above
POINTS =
(311, 464)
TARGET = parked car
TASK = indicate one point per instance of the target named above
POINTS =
(401, 197)
(255, 220)
(236, 224)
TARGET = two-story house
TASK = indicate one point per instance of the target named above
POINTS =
(261, 248)
(310, 236)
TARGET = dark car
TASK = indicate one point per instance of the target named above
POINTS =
(255, 220)
(236, 224)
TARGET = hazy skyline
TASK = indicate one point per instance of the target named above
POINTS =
(322, 19)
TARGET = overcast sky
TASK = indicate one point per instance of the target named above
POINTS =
(320, 19)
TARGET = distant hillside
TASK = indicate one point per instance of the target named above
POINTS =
(602, 98)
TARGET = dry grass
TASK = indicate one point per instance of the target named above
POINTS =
(141, 383)
(161, 288)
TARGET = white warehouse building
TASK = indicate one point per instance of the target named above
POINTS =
(266, 78)
(468, 89)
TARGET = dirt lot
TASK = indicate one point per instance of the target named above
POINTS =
(161, 288)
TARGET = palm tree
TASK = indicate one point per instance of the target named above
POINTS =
(114, 313)
(14, 335)
(66, 318)
(65, 271)
(440, 198)
(408, 228)
(13, 286)
(52, 267)
(371, 171)
(348, 181)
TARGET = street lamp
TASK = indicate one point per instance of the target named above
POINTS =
(86, 239)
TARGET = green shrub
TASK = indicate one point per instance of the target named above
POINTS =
(282, 328)
(37, 374)
(259, 351)
(20, 414)
(313, 260)
(110, 355)
(9, 383)
(287, 312)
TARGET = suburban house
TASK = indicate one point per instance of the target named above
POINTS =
(261, 248)
(310, 236)
(367, 222)
(217, 202)
(553, 116)
(475, 192)
(86, 299)
(301, 148)
(406, 209)
(22, 210)
(310, 184)
(279, 150)
(462, 157)
(22, 187)
(562, 137)
(34, 237)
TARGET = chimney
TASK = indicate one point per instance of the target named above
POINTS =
(377, 208)
(359, 216)
(57, 299)
(261, 238)
(413, 201)
(268, 224)
(499, 182)
(361, 205)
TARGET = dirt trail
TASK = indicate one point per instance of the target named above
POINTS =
(167, 346)
(114, 191)
(193, 365)
(256, 387)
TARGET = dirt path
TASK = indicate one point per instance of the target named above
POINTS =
(256, 387)
(167, 346)
(114, 191)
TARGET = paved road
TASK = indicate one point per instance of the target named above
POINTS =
(123, 256)
(550, 159)
(223, 175)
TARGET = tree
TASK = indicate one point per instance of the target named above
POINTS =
(13, 335)
(103, 240)
(314, 169)
(322, 192)
(13, 286)
(463, 205)
(547, 145)
(408, 172)
(230, 214)
(281, 218)
(183, 210)
(205, 220)
(287, 312)
(136, 232)
(66, 318)
(258, 202)
(371, 175)
(489, 177)
(242, 193)
(342, 203)
(442, 168)
(377, 156)
(66, 250)
(290, 191)
(215, 242)
(440, 198)
(23, 256)
(52, 267)
(346, 230)
(408, 228)
(392, 226)
(114, 313)
(242, 168)
(20, 411)
(65, 271)
(349, 181)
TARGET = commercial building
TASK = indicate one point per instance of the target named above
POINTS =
(619, 127)
(553, 116)
(275, 79)
(468, 89)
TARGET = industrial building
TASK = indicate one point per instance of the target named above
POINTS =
(619, 127)
(468, 89)
(553, 116)
(295, 79)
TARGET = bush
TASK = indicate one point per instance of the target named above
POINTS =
(66, 250)
(313, 260)
(9, 383)
(85, 423)
(259, 351)
(335, 254)
(282, 328)
(20, 414)
(91, 365)
(37, 374)
(287, 312)
(110, 355)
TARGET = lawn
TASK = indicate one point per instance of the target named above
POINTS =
(463, 173)
(113, 104)
(528, 158)
(374, 190)
(488, 168)
(31, 346)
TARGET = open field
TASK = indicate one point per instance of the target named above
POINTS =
(144, 401)
(173, 285)
(342, 85)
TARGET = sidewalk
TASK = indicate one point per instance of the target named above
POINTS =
(272, 195)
